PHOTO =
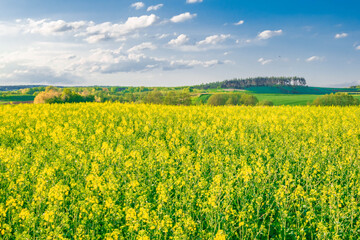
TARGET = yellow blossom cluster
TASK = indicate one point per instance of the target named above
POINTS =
(132, 171)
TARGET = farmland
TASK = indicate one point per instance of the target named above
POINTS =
(278, 95)
(136, 171)
(16, 98)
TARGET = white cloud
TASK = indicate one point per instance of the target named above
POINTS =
(264, 61)
(194, 1)
(89, 31)
(357, 47)
(180, 40)
(214, 39)
(138, 5)
(52, 63)
(341, 35)
(109, 30)
(46, 27)
(315, 59)
(141, 47)
(162, 36)
(239, 23)
(186, 64)
(110, 61)
(210, 42)
(155, 7)
(269, 34)
(183, 17)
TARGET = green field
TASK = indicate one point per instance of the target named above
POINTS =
(16, 98)
(279, 95)
(287, 99)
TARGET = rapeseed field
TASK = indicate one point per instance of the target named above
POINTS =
(126, 171)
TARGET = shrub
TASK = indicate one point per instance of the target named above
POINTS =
(248, 100)
(217, 99)
(337, 99)
(49, 96)
(265, 103)
(54, 95)
(154, 97)
(232, 99)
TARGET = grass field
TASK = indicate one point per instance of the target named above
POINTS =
(133, 171)
(287, 99)
(290, 99)
(16, 98)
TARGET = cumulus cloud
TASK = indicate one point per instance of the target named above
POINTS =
(341, 35)
(264, 61)
(114, 62)
(155, 7)
(138, 5)
(315, 59)
(183, 17)
(214, 39)
(162, 36)
(194, 1)
(187, 64)
(269, 34)
(97, 38)
(70, 65)
(47, 27)
(239, 23)
(89, 31)
(180, 40)
(141, 47)
(210, 42)
(107, 30)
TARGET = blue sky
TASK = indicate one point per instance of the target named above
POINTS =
(177, 42)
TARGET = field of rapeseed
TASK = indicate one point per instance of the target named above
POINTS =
(118, 171)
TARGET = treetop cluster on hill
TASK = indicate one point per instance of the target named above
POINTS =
(257, 82)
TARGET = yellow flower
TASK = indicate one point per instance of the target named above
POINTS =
(220, 235)
(24, 214)
(49, 216)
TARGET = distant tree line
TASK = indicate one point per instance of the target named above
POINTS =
(254, 82)
(180, 97)
(56, 95)
(19, 87)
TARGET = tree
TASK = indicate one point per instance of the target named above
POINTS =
(248, 100)
(48, 96)
(217, 100)
(154, 97)
(255, 82)
(184, 98)
(114, 89)
(265, 103)
(170, 98)
(54, 95)
(337, 99)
